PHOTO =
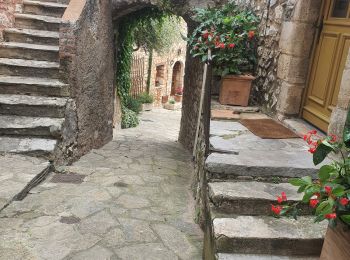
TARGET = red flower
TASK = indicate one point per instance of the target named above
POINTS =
(317, 194)
(205, 34)
(279, 200)
(251, 34)
(222, 45)
(276, 209)
(312, 150)
(313, 203)
(333, 138)
(344, 201)
(284, 196)
(231, 45)
(331, 216)
(313, 132)
(328, 189)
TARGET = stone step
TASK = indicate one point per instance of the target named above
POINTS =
(31, 36)
(28, 51)
(31, 126)
(29, 68)
(37, 22)
(44, 8)
(40, 147)
(22, 105)
(262, 257)
(260, 164)
(248, 198)
(268, 235)
(33, 86)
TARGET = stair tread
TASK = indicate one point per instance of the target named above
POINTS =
(262, 163)
(268, 227)
(251, 190)
(31, 81)
(45, 4)
(8, 99)
(262, 257)
(29, 63)
(20, 122)
(48, 19)
(26, 145)
(29, 46)
(38, 33)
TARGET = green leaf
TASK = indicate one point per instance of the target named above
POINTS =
(307, 179)
(321, 153)
(338, 191)
(325, 207)
(297, 182)
(345, 218)
(325, 172)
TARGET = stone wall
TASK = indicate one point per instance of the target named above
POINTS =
(7, 11)
(87, 62)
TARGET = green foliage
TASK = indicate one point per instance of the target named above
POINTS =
(329, 194)
(145, 98)
(347, 131)
(133, 104)
(230, 32)
(129, 118)
(172, 102)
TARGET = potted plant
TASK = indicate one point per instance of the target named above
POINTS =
(329, 194)
(231, 34)
(178, 94)
(146, 100)
(171, 105)
(165, 99)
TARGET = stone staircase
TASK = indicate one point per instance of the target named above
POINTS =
(32, 97)
(242, 185)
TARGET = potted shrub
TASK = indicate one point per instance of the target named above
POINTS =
(231, 34)
(146, 100)
(178, 94)
(165, 99)
(329, 194)
(171, 105)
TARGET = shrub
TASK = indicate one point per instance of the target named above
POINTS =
(145, 98)
(172, 102)
(129, 118)
(231, 34)
(133, 104)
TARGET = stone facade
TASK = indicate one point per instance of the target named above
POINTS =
(7, 10)
(87, 63)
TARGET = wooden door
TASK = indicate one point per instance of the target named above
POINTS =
(328, 63)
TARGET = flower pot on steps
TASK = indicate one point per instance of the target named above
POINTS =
(235, 90)
(337, 243)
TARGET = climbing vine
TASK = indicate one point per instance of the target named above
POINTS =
(148, 29)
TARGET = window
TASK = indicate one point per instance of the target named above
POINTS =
(340, 8)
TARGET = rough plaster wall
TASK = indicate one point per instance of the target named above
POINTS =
(7, 10)
(88, 55)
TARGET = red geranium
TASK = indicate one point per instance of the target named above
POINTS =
(344, 201)
(276, 209)
(331, 216)
(313, 203)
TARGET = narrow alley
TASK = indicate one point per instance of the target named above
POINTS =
(129, 200)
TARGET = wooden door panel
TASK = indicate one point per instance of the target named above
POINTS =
(323, 72)
(343, 53)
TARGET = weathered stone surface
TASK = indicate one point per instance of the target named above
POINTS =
(249, 198)
(261, 164)
(18, 175)
(268, 235)
(261, 257)
(115, 210)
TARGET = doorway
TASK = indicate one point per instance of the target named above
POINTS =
(328, 64)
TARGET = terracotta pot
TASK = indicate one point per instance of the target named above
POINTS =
(178, 98)
(165, 99)
(337, 243)
(235, 90)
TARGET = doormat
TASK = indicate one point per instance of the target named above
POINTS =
(268, 129)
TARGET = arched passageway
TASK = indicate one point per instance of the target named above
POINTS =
(177, 78)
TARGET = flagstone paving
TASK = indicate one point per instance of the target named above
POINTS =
(129, 200)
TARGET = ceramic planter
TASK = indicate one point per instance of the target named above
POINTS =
(178, 98)
(337, 243)
(235, 90)
(147, 107)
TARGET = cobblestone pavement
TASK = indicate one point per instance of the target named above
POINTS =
(129, 200)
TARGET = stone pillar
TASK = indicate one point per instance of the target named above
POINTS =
(296, 42)
(339, 114)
